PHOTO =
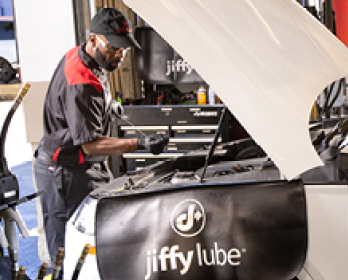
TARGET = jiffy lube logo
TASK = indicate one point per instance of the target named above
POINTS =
(188, 219)
(178, 66)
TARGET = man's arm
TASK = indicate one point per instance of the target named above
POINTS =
(109, 146)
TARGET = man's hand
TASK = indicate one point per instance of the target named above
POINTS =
(154, 143)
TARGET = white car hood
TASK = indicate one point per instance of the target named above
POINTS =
(267, 60)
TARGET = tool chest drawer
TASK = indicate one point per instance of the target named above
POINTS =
(170, 115)
(188, 127)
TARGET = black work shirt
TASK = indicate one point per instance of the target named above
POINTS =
(76, 108)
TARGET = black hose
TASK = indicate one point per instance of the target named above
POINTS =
(4, 171)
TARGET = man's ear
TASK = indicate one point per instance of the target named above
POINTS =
(91, 44)
(92, 39)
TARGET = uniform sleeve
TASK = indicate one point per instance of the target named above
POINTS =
(85, 107)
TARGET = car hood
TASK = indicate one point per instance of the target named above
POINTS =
(266, 59)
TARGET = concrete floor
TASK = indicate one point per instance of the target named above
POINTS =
(18, 154)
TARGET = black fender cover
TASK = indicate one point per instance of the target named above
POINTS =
(252, 231)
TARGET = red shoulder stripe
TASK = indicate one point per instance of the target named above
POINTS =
(76, 72)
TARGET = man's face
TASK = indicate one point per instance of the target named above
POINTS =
(107, 56)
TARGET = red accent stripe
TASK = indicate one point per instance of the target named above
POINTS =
(76, 72)
(341, 16)
(56, 153)
(81, 158)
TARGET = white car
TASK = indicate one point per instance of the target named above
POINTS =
(278, 212)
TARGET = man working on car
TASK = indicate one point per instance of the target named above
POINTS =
(71, 157)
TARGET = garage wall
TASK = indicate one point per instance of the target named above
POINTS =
(45, 31)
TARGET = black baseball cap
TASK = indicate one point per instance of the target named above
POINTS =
(116, 28)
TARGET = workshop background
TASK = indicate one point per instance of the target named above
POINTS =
(56, 28)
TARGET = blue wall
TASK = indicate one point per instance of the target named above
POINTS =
(8, 47)
(6, 8)
(6, 30)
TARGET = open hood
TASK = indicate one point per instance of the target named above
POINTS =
(267, 60)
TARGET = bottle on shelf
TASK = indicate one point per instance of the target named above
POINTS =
(201, 95)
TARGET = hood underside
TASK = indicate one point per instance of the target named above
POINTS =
(267, 60)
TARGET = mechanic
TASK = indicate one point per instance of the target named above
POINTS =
(71, 159)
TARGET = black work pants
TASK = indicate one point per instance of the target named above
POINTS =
(65, 188)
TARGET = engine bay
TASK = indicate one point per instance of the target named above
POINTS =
(237, 161)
